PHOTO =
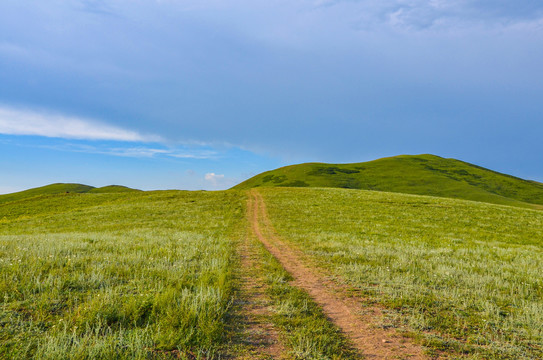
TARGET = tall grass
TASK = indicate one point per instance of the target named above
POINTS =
(465, 276)
(409, 174)
(113, 276)
(305, 327)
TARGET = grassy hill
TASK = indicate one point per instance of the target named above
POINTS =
(463, 274)
(62, 188)
(52, 189)
(156, 275)
(112, 189)
(410, 174)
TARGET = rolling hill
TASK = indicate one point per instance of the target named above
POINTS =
(147, 275)
(195, 274)
(411, 174)
(112, 189)
(61, 188)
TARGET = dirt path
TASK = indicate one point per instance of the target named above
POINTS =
(373, 342)
(259, 339)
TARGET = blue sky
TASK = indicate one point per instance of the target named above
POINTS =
(202, 94)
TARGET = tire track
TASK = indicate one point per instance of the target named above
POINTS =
(371, 341)
(259, 337)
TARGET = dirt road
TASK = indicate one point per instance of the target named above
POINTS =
(346, 313)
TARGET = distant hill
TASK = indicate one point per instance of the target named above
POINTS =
(61, 188)
(410, 174)
(112, 189)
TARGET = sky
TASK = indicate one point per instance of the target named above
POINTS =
(202, 94)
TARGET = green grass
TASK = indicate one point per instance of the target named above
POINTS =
(45, 190)
(420, 174)
(112, 189)
(62, 188)
(466, 277)
(111, 276)
(152, 275)
(138, 275)
(308, 333)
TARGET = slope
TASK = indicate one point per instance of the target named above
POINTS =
(53, 189)
(411, 174)
(464, 275)
(112, 189)
(62, 188)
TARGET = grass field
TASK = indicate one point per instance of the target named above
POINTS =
(306, 330)
(105, 276)
(154, 275)
(139, 275)
(464, 277)
(62, 188)
(410, 174)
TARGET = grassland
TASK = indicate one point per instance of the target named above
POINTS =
(463, 277)
(112, 189)
(420, 175)
(145, 275)
(111, 276)
(52, 189)
(62, 188)
(304, 326)
(153, 275)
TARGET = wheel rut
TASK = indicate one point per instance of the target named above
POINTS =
(259, 337)
(371, 341)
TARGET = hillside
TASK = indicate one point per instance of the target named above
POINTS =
(175, 274)
(112, 189)
(61, 188)
(411, 174)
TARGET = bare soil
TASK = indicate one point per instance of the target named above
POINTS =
(358, 321)
(259, 339)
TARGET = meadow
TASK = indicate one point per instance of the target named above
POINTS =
(306, 330)
(157, 275)
(409, 174)
(146, 275)
(117, 276)
(463, 278)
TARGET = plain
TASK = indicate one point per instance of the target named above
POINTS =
(157, 274)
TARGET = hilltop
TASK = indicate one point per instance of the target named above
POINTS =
(112, 189)
(62, 188)
(410, 174)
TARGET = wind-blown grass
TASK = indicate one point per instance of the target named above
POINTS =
(465, 276)
(62, 188)
(110, 276)
(307, 331)
(409, 174)
(148, 275)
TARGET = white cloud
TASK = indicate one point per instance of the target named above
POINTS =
(136, 151)
(440, 15)
(213, 177)
(424, 14)
(26, 122)
(218, 181)
(146, 152)
(215, 180)
(202, 154)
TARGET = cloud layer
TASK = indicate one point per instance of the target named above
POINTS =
(139, 151)
(299, 80)
(25, 122)
(444, 14)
